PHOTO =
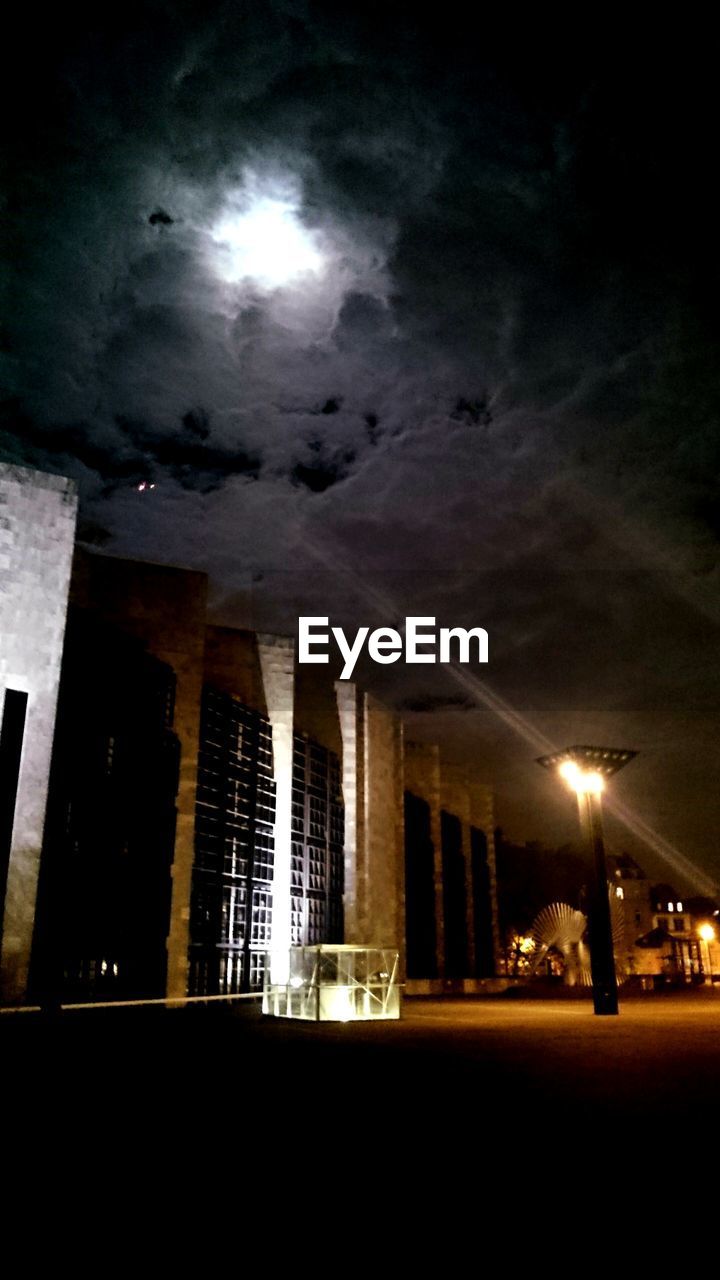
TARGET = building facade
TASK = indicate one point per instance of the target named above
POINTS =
(665, 937)
(103, 911)
(37, 533)
(453, 940)
(209, 797)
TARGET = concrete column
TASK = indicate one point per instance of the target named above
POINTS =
(352, 732)
(277, 663)
(374, 821)
(37, 533)
(384, 826)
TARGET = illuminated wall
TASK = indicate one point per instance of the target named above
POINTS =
(277, 663)
(231, 907)
(37, 531)
(373, 795)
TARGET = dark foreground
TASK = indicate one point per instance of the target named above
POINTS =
(500, 1096)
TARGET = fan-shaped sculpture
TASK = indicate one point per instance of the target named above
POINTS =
(562, 928)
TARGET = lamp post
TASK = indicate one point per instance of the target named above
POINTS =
(707, 934)
(585, 769)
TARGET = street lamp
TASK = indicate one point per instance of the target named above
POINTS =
(585, 770)
(707, 933)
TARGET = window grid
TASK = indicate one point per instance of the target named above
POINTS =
(231, 906)
(318, 834)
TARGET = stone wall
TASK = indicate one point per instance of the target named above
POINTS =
(165, 608)
(277, 663)
(450, 787)
(316, 708)
(422, 778)
(232, 665)
(37, 531)
(374, 829)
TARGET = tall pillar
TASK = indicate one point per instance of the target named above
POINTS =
(277, 663)
(353, 785)
(374, 823)
(37, 533)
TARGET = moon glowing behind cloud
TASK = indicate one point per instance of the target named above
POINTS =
(260, 238)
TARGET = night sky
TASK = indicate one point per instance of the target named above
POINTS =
(471, 373)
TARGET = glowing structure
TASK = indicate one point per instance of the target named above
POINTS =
(333, 983)
(585, 769)
(265, 242)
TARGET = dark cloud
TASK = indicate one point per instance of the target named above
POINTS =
(503, 382)
(64, 446)
(138, 452)
(92, 534)
(185, 456)
(472, 412)
(321, 472)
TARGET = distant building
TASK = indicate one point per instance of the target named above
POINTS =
(631, 890)
(665, 937)
(676, 933)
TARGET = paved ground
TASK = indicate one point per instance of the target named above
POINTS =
(507, 1090)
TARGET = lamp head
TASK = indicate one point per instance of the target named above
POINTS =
(586, 768)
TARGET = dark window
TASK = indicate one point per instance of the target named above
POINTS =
(12, 732)
(482, 904)
(105, 885)
(231, 902)
(454, 896)
(419, 889)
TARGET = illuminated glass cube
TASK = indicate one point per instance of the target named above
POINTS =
(332, 983)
